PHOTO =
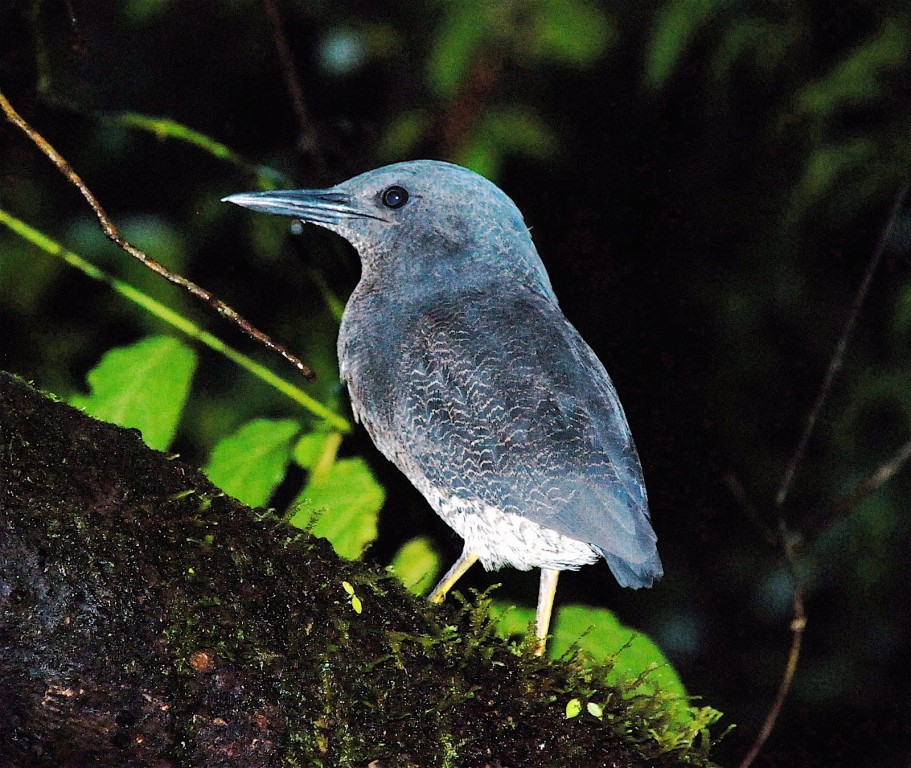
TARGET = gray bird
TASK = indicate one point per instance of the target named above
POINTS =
(468, 377)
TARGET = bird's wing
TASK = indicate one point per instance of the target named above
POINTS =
(507, 405)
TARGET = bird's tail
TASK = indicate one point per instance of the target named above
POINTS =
(635, 575)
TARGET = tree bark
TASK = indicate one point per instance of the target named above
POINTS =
(146, 619)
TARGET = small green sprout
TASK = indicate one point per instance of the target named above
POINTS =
(355, 600)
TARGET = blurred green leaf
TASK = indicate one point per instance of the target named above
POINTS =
(142, 386)
(504, 131)
(416, 564)
(766, 42)
(402, 135)
(676, 26)
(144, 11)
(519, 130)
(872, 389)
(570, 31)
(342, 506)
(901, 319)
(481, 155)
(464, 28)
(24, 280)
(826, 165)
(157, 237)
(250, 463)
(856, 80)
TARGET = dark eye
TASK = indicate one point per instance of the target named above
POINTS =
(395, 197)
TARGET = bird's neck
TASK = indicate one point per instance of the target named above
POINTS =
(409, 276)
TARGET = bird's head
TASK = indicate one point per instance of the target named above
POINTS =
(418, 220)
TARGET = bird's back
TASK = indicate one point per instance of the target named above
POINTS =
(491, 398)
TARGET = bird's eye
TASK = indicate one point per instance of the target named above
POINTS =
(395, 197)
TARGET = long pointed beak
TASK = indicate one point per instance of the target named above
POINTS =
(316, 206)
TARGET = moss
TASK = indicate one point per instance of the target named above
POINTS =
(170, 623)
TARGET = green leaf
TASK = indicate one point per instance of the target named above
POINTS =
(463, 31)
(573, 708)
(519, 130)
(504, 131)
(144, 11)
(481, 155)
(901, 319)
(595, 710)
(856, 79)
(766, 43)
(416, 564)
(342, 506)
(250, 463)
(317, 449)
(598, 633)
(403, 135)
(676, 26)
(143, 386)
(571, 31)
(826, 164)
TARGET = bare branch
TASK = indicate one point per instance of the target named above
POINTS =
(309, 139)
(798, 625)
(109, 228)
(861, 491)
(786, 538)
(838, 356)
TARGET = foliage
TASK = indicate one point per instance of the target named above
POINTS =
(250, 463)
(596, 635)
(416, 564)
(144, 386)
(341, 504)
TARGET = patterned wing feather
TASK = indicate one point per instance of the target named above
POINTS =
(507, 406)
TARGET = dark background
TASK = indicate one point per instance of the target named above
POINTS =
(705, 181)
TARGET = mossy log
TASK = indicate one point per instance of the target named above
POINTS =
(146, 619)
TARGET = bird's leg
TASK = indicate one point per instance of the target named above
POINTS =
(546, 592)
(465, 561)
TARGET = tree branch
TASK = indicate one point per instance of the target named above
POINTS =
(110, 229)
(878, 478)
(786, 538)
(308, 139)
(839, 354)
(147, 619)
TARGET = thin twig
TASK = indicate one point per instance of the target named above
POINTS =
(838, 356)
(861, 491)
(176, 320)
(165, 128)
(749, 510)
(786, 539)
(114, 234)
(798, 625)
(309, 141)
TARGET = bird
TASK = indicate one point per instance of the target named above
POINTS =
(467, 376)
